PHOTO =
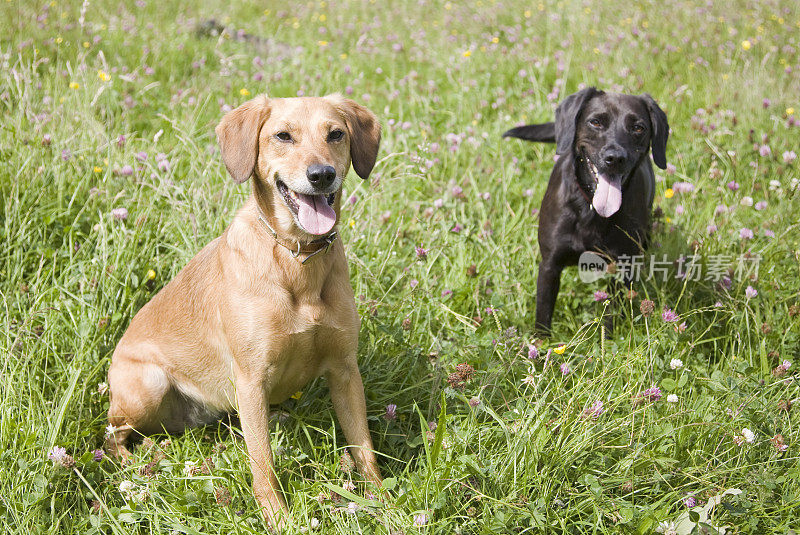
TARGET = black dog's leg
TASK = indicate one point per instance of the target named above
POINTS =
(547, 285)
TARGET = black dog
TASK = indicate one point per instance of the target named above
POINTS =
(601, 189)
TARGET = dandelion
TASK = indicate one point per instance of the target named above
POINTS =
(565, 369)
(560, 349)
(97, 169)
(600, 296)
(672, 398)
(750, 292)
(676, 364)
(746, 44)
(103, 75)
(120, 214)
(669, 316)
(391, 412)
(594, 410)
(467, 53)
(244, 92)
(789, 111)
(74, 85)
(748, 435)
(669, 193)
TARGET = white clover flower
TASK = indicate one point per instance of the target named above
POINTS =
(110, 430)
(748, 435)
(672, 398)
(676, 364)
(126, 488)
(352, 507)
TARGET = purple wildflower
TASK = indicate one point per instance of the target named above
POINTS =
(594, 410)
(120, 214)
(126, 170)
(764, 150)
(413, 283)
(745, 233)
(565, 369)
(600, 295)
(141, 156)
(391, 412)
(533, 353)
(456, 228)
(66, 155)
(733, 185)
(789, 156)
(669, 316)
(422, 253)
(750, 292)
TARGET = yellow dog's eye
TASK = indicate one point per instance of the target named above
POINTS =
(335, 135)
(284, 136)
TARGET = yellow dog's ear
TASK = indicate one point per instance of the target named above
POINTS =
(237, 135)
(365, 133)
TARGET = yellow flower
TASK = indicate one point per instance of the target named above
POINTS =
(98, 169)
(151, 274)
(74, 85)
(323, 17)
(59, 40)
(297, 394)
(244, 92)
(86, 44)
(495, 40)
(789, 111)
(352, 223)
(527, 14)
(746, 44)
(669, 193)
(343, 56)
(467, 53)
(103, 75)
(668, 219)
(560, 349)
(322, 43)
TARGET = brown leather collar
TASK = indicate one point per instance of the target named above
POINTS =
(301, 252)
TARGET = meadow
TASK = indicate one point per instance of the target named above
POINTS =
(111, 180)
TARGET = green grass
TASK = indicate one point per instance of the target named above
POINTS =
(525, 460)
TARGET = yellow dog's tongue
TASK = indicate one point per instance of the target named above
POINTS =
(315, 214)
(608, 196)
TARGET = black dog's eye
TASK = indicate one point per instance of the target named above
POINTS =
(284, 136)
(335, 135)
(595, 123)
(638, 129)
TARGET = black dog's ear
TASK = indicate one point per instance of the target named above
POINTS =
(567, 115)
(658, 140)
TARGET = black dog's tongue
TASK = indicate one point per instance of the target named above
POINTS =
(608, 195)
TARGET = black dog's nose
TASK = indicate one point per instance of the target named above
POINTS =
(614, 156)
(321, 176)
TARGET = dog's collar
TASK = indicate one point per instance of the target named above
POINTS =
(301, 253)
